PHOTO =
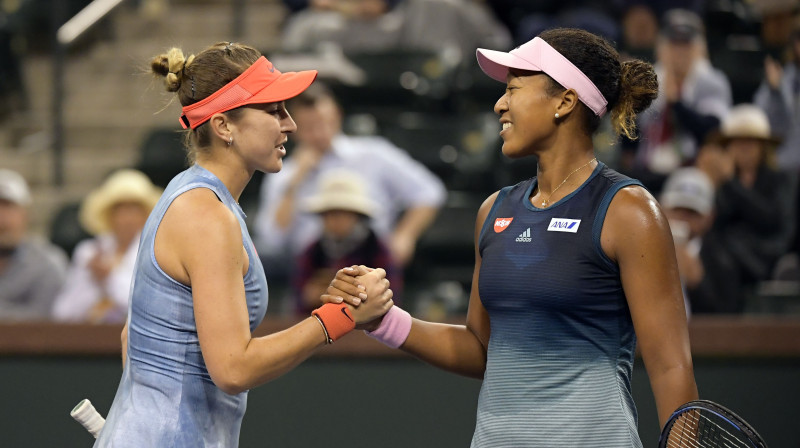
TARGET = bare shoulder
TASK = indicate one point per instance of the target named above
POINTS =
(634, 219)
(201, 209)
(632, 202)
(485, 208)
(198, 219)
(489, 202)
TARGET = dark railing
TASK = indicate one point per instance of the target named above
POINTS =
(711, 337)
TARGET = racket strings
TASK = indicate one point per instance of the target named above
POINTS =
(695, 429)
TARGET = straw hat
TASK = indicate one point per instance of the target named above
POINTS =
(341, 191)
(746, 121)
(122, 186)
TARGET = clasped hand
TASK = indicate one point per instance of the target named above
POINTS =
(365, 291)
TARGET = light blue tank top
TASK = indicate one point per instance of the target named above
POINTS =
(562, 342)
(166, 397)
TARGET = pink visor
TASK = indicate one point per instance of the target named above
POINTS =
(260, 83)
(537, 55)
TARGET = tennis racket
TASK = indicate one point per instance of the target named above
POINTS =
(705, 424)
(88, 416)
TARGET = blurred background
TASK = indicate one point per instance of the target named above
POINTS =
(88, 137)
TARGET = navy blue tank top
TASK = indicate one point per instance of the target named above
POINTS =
(562, 341)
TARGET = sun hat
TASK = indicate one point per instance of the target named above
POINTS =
(746, 121)
(123, 186)
(260, 83)
(688, 188)
(341, 191)
(13, 188)
(537, 55)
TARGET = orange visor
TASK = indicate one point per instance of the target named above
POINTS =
(260, 83)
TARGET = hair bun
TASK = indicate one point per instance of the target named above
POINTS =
(638, 87)
(170, 65)
(638, 84)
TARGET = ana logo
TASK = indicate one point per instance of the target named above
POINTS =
(501, 224)
(524, 237)
(564, 225)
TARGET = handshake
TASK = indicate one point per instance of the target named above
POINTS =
(365, 291)
(359, 297)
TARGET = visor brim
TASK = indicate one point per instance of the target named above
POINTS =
(496, 63)
(288, 85)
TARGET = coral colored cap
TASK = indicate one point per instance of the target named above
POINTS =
(537, 55)
(260, 83)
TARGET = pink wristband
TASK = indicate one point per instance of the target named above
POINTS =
(394, 328)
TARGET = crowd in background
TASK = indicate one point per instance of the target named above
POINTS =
(720, 148)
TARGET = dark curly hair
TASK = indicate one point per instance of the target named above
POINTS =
(629, 87)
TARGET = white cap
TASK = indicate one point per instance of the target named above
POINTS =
(14, 188)
(688, 188)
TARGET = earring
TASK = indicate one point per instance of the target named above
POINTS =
(557, 115)
(230, 142)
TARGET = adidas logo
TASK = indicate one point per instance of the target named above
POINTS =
(524, 237)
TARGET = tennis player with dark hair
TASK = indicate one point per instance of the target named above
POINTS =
(573, 266)
(199, 288)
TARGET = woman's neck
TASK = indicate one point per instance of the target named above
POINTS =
(229, 171)
(563, 167)
(561, 160)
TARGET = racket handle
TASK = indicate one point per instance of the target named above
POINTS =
(88, 416)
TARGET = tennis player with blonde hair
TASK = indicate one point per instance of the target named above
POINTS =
(199, 288)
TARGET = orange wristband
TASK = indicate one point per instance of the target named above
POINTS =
(336, 319)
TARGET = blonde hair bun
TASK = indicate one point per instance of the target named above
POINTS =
(171, 65)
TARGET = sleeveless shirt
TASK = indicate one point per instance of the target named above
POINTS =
(166, 397)
(562, 341)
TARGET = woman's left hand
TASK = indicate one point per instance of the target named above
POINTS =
(345, 287)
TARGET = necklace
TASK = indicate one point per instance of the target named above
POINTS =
(546, 201)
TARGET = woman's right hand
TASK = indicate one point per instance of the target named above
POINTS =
(345, 286)
(379, 297)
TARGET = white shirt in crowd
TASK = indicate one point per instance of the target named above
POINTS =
(394, 182)
(81, 292)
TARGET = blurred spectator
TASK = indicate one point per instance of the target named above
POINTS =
(693, 98)
(778, 21)
(639, 32)
(688, 203)
(594, 17)
(31, 271)
(380, 25)
(779, 96)
(755, 217)
(347, 239)
(406, 193)
(101, 271)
